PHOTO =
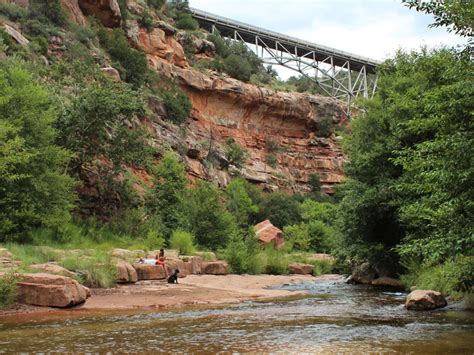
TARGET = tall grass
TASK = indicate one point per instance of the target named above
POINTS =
(8, 289)
(276, 262)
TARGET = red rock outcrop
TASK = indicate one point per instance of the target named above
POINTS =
(268, 234)
(126, 273)
(107, 11)
(224, 107)
(50, 290)
(74, 12)
(150, 272)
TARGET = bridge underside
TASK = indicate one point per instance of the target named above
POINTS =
(339, 74)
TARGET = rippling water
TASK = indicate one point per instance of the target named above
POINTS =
(334, 318)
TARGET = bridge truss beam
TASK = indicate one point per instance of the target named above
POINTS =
(339, 74)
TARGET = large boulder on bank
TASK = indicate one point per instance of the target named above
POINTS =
(192, 264)
(214, 267)
(176, 264)
(423, 300)
(126, 273)
(268, 234)
(50, 290)
(387, 281)
(150, 272)
(301, 269)
(53, 268)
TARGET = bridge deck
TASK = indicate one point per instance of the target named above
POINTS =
(272, 39)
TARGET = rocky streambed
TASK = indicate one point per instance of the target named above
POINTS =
(324, 315)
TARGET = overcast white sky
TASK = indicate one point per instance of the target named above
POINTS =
(371, 28)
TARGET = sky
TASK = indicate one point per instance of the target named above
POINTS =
(370, 28)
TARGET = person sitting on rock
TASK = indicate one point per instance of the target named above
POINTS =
(158, 260)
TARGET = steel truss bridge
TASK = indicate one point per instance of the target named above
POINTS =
(339, 74)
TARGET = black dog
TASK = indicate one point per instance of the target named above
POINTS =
(173, 279)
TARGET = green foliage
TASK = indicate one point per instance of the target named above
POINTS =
(132, 61)
(146, 21)
(322, 267)
(13, 12)
(40, 45)
(324, 127)
(186, 22)
(271, 160)
(156, 4)
(280, 208)
(314, 182)
(34, 191)
(276, 262)
(243, 255)
(8, 283)
(236, 154)
(179, 11)
(222, 45)
(166, 197)
(239, 204)
(177, 104)
(411, 163)
(97, 270)
(208, 219)
(183, 242)
(450, 278)
(237, 68)
(48, 11)
(84, 34)
(456, 15)
(298, 236)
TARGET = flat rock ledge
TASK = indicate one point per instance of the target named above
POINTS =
(424, 300)
(50, 290)
(301, 269)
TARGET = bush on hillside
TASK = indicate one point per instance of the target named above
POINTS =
(177, 104)
(8, 283)
(183, 242)
(13, 12)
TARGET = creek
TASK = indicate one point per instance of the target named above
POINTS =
(333, 317)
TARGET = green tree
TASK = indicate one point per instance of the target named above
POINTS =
(239, 202)
(208, 219)
(280, 208)
(34, 191)
(166, 196)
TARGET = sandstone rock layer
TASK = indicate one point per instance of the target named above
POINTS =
(423, 300)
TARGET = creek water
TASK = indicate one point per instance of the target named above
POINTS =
(334, 317)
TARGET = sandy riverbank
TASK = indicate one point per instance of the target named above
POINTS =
(191, 290)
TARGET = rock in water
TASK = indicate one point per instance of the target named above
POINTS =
(423, 300)
(50, 290)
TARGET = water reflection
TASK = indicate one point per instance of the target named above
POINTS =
(334, 318)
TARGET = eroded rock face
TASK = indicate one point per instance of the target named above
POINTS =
(50, 290)
(126, 273)
(107, 11)
(192, 264)
(214, 267)
(158, 44)
(17, 36)
(176, 264)
(150, 272)
(74, 12)
(301, 269)
(255, 117)
(423, 300)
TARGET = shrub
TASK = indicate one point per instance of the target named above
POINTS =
(84, 34)
(48, 11)
(276, 262)
(94, 271)
(243, 255)
(183, 242)
(13, 12)
(133, 61)
(222, 45)
(146, 21)
(236, 154)
(451, 278)
(298, 236)
(186, 22)
(237, 68)
(271, 160)
(156, 4)
(325, 127)
(314, 182)
(8, 289)
(40, 45)
(322, 267)
(178, 106)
